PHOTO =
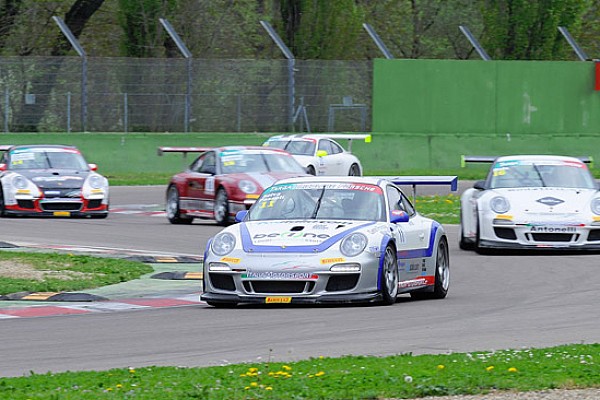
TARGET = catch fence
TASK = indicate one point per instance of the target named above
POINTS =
(69, 94)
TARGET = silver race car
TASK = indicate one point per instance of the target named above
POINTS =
(328, 240)
(531, 202)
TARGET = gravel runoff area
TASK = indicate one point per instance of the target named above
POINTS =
(555, 394)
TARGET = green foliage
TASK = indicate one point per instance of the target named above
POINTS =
(528, 30)
(55, 272)
(349, 377)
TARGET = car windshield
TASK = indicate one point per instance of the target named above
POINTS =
(296, 147)
(243, 162)
(320, 200)
(514, 174)
(40, 158)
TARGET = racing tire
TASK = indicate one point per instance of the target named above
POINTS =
(311, 170)
(389, 277)
(354, 170)
(173, 212)
(442, 275)
(220, 304)
(221, 210)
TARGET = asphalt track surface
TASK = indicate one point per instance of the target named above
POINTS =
(495, 302)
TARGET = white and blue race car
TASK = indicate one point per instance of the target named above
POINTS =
(532, 202)
(325, 240)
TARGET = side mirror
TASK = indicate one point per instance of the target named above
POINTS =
(2, 167)
(239, 217)
(480, 185)
(397, 216)
(93, 167)
(321, 153)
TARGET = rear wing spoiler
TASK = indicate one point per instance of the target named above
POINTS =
(415, 181)
(184, 150)
(490, 159)
(350, 137)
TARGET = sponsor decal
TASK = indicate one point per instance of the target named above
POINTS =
(326, 185)
(278, 275)
(291, 235)
(332, 260)
(56, 178)
(209, 185)
(232, 260)
(553, 229)
(422, 281)
(278, 300)
(550, 201)
(252, 196)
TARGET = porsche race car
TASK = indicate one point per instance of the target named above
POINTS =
(224, 180)
(320, 154)
(328, 240)
(50, 180)
(531, 202)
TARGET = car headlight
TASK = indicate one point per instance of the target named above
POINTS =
(247, 186)
(596, 205)
(354, 244)
(96, 181)
(223, 244)
(499, 205)
(20, 182)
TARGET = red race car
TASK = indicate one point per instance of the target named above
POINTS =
(224, 180)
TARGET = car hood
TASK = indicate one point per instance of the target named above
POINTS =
(547, 200)
(263, 179)
(55, 178)
(313, 235)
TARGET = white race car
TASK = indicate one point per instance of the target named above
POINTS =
(532, 202)
(320, 154)
(325, 240)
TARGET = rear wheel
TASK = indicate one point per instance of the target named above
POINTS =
(2, 207)
(221, 210)
(442, 274)
(354, 170)
(389, 277)
(173, 212)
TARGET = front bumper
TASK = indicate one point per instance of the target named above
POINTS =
(57, 207)
(292, 299)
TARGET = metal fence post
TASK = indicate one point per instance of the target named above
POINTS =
(467, 32)
(186, 53)
(291, 69)
(578, 50)
(75, 43)
(382, 47)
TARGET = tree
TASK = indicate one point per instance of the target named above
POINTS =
(528, 29)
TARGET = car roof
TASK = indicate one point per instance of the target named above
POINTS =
(537, 158)
(44, 146)
(334, 179)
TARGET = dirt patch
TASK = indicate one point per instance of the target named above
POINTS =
(20, 270)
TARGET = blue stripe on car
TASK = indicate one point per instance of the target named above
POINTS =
(384, 242)
(249, 247)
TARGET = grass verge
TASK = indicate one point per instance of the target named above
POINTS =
(54, 272)
(350, 377)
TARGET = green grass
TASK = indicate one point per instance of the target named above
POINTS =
(350, 377)
(53, 272)
(444, 209)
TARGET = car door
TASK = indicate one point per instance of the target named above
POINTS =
(331, 163)
(201, 183)
(411, 238)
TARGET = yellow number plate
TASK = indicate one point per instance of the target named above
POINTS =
(278, 299)
(62, 214)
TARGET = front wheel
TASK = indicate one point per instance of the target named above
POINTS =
(2, 207)
(354, 170)
(221, 210)
(442, 274)
(173, 212)
(389, 277)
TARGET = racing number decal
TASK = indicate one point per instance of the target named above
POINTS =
(209, 186)
(267, 203)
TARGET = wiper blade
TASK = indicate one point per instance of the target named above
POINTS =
(314, 214)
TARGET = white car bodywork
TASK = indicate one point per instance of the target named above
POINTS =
(532, 202)
(320, 154)
(301, 242)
